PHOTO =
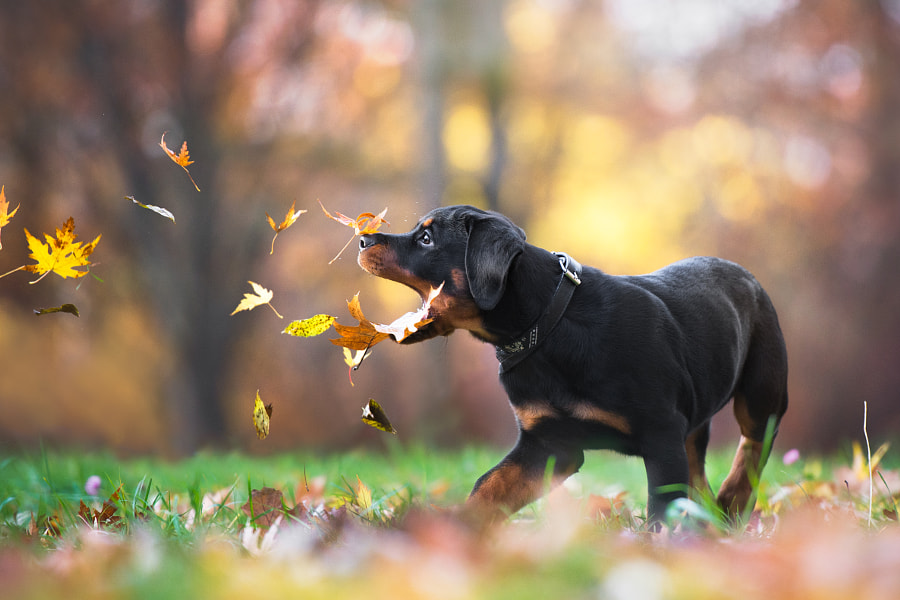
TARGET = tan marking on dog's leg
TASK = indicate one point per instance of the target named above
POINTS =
(531, 414)
(588, 412)
(737, 489)
(503, 491)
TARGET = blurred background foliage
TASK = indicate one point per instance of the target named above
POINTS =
(628, 133)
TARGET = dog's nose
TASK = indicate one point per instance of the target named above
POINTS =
(366, 241)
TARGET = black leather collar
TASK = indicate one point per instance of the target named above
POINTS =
(515, 352)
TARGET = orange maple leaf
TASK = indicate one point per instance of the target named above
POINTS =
(289, 219)
(4, 207)
(365, 223)
(357, 337)
(365, 335)
(182, 159)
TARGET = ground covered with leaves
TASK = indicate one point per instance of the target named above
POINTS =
(370, 526)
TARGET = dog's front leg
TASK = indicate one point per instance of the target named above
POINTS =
(668, 477)
(520, 477)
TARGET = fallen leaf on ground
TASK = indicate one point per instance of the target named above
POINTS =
(5, 216)
(66, 308)
(374, 415)
(157, 209)
(365, 223)
(262, 413)
(259, 297)
(182, 159)
(289, 219)
(106, 516)
(264, 507)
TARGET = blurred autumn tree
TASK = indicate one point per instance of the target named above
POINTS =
(629, 133)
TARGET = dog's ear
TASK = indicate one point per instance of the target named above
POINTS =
(494, 241)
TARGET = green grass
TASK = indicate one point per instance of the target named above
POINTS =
(389, 537)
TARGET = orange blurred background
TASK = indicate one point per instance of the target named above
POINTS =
(629, 133)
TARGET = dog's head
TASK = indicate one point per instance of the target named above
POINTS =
(467, 249)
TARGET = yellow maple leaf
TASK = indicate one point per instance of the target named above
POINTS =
(289, 219)
(182, 159)
(259, 297)
(61, 255)
(262, 413)
(4, 207)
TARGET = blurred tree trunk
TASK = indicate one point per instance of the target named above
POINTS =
(878, 220)
(193, 267)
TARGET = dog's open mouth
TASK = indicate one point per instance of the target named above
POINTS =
(404, 326)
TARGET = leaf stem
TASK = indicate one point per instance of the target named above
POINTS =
(13, 271)
(273, 310)
(338, 255)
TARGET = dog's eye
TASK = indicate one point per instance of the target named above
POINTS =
(425, 238)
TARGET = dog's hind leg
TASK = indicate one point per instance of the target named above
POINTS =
(761, 396)
(520, 478)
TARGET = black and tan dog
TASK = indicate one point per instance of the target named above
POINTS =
(593, 361)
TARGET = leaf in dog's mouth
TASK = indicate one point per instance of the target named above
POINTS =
(402, 327)
(367, 334)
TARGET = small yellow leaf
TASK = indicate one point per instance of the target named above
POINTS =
(66, 308)
(261, 415)
(260, 296)
(289, 219)
(310, 327)
(182, 159)
(5, 216)
(363, 495)
(373, 415)
(355, 359)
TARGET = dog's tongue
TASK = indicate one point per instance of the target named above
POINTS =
(409, 323)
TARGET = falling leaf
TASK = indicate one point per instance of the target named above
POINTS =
(157, 209)
(66, 308)
(357, 337)
(61, 255)
(353, 361)
(310, 327)
(261, 416)
(4, 207)
(373, 414)
(365, 223)
(260, 296)
(182, 159)
(289, 220)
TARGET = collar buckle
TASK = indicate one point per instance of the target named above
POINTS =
(568, 267)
